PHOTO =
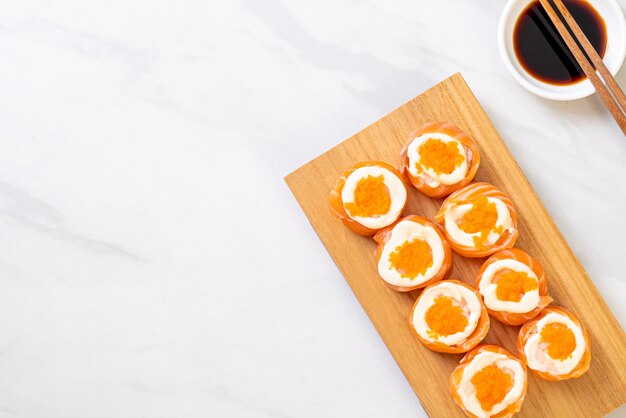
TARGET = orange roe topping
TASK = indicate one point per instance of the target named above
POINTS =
(513, 285)
(481, 218)
(445, 317)
(371, 198)
(492, 384)
(412, 258)
(560, 339)
(441, 157)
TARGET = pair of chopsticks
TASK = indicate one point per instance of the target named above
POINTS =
(610, 93)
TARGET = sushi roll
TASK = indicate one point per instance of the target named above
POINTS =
(368, 197)
(489, 382)
(449, 317)
(478, 220)
(439, 158)
(412, 253)
(513, 286)
(555, 346)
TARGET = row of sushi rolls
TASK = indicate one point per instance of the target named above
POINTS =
(477, 220)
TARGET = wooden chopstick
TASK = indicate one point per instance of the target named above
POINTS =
(588, 68)
(596, 60)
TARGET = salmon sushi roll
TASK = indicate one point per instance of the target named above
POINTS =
(412, 253)
(478, 220)
(513, 286)
(555, 346)
(449, 317)
(439, 158)
(489, 382)
(368, 197)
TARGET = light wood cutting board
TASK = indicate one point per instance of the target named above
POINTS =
(600, 390)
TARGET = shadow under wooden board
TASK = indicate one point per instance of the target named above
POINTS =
(599, 391)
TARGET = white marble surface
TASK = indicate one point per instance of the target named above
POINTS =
(154, 263)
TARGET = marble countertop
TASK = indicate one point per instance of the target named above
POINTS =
(154, 263)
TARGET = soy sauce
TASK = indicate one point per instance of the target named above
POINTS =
(541, 50)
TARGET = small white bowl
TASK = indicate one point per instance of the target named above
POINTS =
(613, 57)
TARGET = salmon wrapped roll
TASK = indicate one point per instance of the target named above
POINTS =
(439, 158)
(478, 220)
(513, 286)
(368, 197)
(489, 382)
(412, 253)
(449, 317)
(555, 346)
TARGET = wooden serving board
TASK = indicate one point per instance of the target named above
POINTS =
(600, 390)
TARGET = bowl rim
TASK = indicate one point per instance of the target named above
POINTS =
(566, 93)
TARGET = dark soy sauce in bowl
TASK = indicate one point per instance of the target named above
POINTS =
(541, 50)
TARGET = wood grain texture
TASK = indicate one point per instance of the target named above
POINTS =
(600, 390)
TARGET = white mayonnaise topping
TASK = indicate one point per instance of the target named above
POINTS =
(434, 179)
(487, 288)
(456, 212)
(467, 391)
(410, 231)
(397, 193)
(536, 351)
(464, 296)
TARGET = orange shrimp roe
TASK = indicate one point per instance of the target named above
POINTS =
(481, 218)
(412, 258)
(445, 317)
(371, 198)
(513, 285)
(560, 339)
(441, 157)
(492, 384)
